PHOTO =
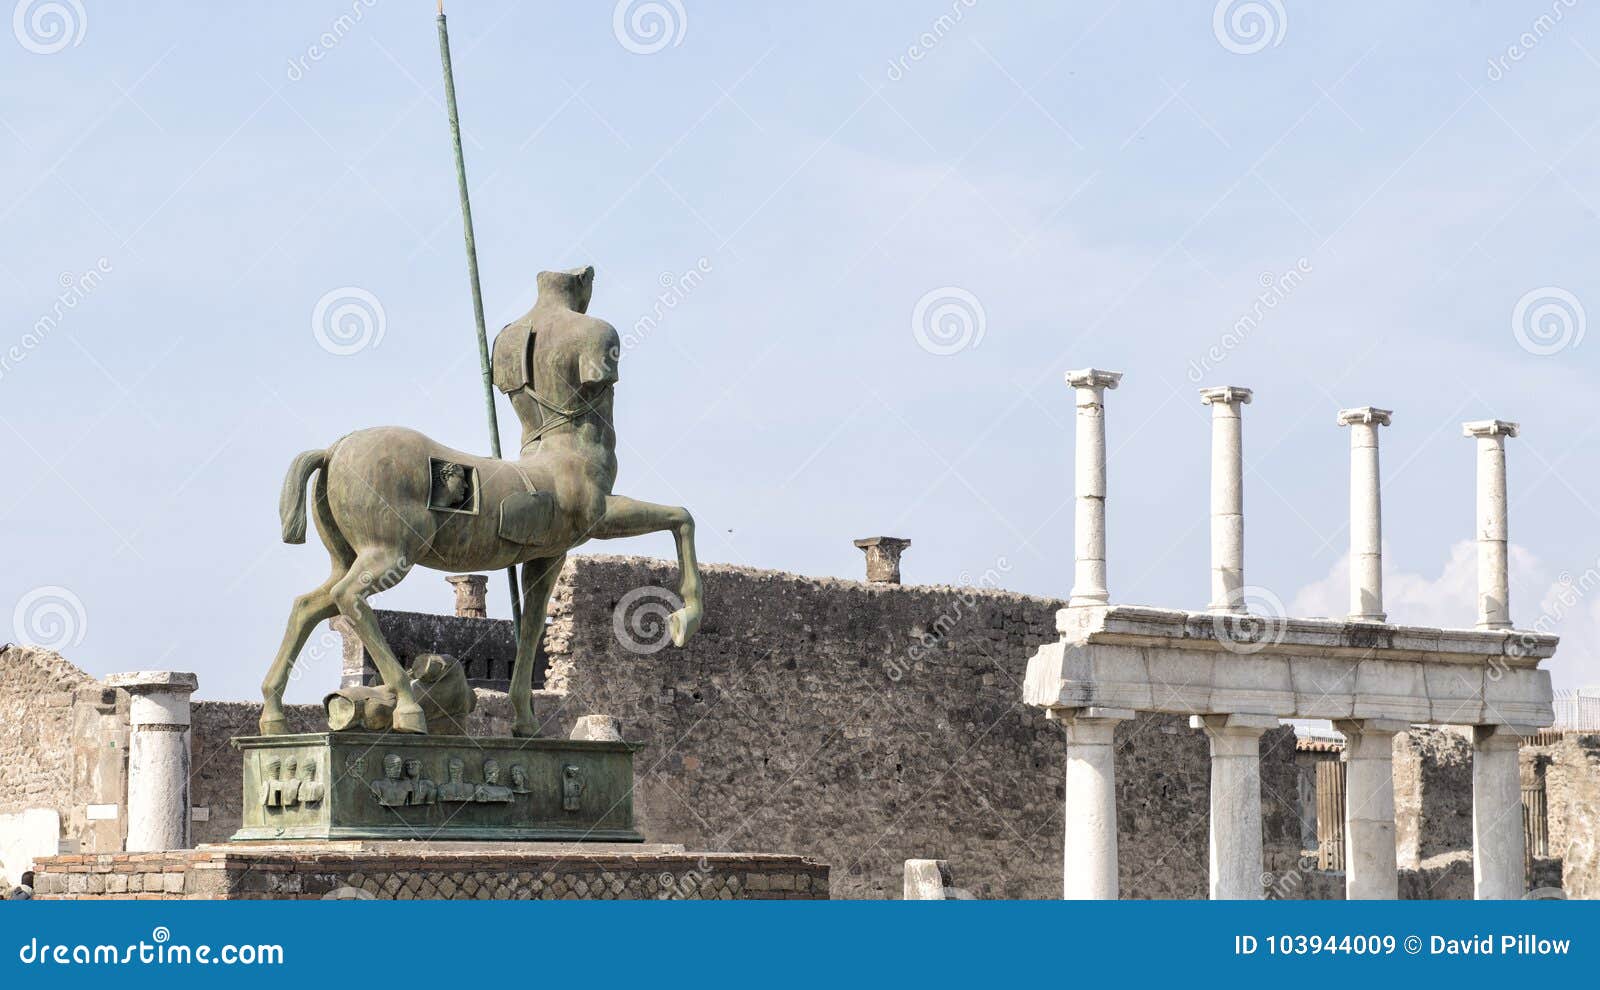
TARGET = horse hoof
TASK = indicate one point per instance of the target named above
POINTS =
(274, 726)
(525, 730)
(682, 624)
(409, 718)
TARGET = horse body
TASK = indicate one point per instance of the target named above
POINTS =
(389, 498)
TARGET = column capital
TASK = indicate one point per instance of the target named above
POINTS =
(1225, 395)
(1511, 736)
(1093, 378)
(160, 697)
(1484, 429)
(1073, 715)
(1235, 723)
(154, 682)
(1365, 414)
(1370, 726)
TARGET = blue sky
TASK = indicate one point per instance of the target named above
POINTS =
(1106, 184)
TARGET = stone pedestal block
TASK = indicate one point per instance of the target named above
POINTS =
(360, 785)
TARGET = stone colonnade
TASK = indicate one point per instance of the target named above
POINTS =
(1236, 674)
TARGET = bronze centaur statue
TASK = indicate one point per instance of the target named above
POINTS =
(389, 498)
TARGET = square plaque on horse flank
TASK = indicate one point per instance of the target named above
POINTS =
(454, 487)
(388, 785)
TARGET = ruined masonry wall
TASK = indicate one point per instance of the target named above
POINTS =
(867, 724)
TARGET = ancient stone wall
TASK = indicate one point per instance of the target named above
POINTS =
(1432, 794)
(869, 724)
(63, 746)
(1572, 793)
(36, 695)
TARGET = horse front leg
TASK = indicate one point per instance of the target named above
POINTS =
(538, 581)
(629, 517)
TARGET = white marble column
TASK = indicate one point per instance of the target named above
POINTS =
(1236, 864)
(1227, 496)
(158, 757)
(1366, 518)
(1089, 849)
(1089, 486)
(1371, 871)
(1497, 839)
(1494, 585)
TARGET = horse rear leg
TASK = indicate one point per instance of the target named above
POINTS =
(308, 610)
(376, 570)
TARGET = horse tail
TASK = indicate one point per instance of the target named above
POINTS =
(292, 503)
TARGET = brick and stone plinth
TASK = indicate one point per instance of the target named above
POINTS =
(431, 871)
(364, 785)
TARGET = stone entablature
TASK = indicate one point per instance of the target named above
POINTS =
(1201, 663)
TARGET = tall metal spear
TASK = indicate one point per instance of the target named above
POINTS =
(472, 274)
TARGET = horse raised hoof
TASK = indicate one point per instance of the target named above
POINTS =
(409, 718)
(683, 623)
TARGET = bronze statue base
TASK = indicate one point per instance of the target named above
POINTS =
(324, 786)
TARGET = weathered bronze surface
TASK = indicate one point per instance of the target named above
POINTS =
(387, 499)
(359, 785)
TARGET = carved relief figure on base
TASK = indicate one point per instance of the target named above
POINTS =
(271, 785)
(571, 787)
(456, 789)
(311, 789)
(423, 790)
(393, 790)
(491, 791)
(378, 501)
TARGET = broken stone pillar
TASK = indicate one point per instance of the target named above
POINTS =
(472, 594)
(1371, 870)
(1089, 486)
(883, 558)
(1089, 848)
(1497, 837)
(158, 757)
(929, 880)
(1366, 519)
(1227, 496)
(1494, 585)
(599, 728)
(1236, 863)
